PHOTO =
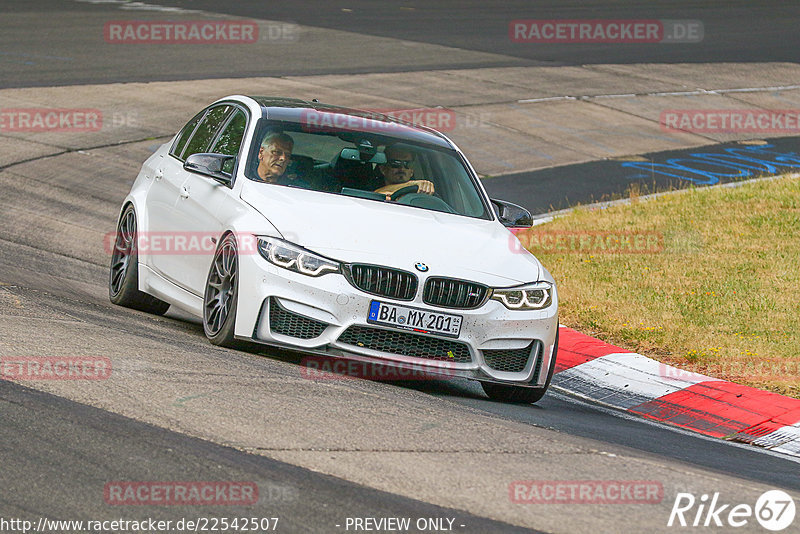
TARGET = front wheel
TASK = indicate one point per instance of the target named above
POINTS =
(519, 394)
(222, 289)
(123, 276)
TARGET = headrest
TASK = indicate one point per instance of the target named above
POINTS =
(299, 167)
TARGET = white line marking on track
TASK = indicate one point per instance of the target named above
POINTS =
(696, 92)
(634, 375)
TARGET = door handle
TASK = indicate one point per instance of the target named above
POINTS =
(184, 192)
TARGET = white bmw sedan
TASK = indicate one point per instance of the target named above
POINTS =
(340, 233)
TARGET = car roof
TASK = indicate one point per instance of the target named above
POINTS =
(297, 111)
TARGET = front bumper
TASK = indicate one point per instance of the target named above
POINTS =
(326, 315)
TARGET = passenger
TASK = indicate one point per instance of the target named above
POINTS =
(397, 172)
(274, 156)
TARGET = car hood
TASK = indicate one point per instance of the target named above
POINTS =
(367, 231)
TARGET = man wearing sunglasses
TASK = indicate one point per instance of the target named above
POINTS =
(398, 171)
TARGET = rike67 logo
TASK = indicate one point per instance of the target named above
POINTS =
(774, 510)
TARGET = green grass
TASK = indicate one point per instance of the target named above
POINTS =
(720, 297)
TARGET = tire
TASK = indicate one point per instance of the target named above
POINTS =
(520, 394)
(123, 276)
(222, 291)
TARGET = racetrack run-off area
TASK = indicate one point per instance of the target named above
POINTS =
(547, 125)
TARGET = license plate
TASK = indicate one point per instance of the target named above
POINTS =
(414, 319)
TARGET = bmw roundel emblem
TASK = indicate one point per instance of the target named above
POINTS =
(421, 267)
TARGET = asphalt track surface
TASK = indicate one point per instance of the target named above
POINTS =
(104, 447)
(558, 188)
(53, 42)
(483, 26)
(57, 454)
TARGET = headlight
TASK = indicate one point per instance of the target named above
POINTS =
(536, 296)
(297, 259)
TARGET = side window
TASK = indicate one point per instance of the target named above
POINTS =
(184, 135)
(230, 139)
(206, 130)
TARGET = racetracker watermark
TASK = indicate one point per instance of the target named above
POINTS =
(441, 119)
(584, 242)
(774, 121)
(605, 31)
(129, 493)
(586, 492)
(320, 368)
(178, 243)
(50, 120)
(191, 32)
(55, 368)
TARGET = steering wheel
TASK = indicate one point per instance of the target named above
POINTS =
(404, 191)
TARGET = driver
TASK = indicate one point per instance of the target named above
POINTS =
(273, 158)
(397, 172)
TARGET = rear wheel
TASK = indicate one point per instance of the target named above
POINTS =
(519, 394)
(123, 278)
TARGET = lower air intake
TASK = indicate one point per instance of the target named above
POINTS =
(406, 344)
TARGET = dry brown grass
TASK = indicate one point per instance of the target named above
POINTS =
(720, 297)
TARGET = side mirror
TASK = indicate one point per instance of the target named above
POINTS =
(211, 165)
(511, 215)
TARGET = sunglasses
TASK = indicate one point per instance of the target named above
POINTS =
(399, 163)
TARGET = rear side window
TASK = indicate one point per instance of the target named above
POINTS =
(206, 130)
(186, 132)
(230, 139)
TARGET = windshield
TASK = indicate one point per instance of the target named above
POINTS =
(366, 165)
